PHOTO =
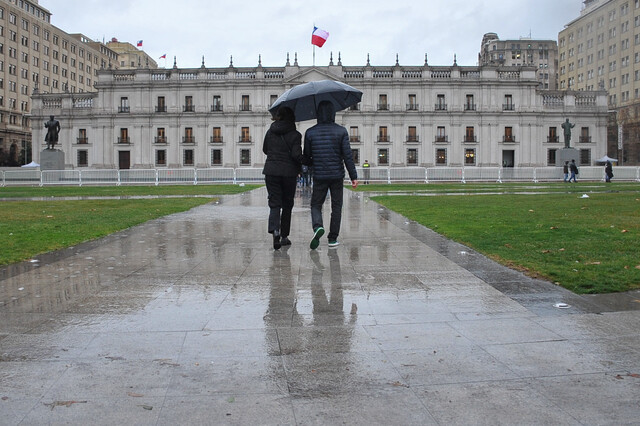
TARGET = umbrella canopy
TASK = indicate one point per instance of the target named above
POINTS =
(605, 159)
(303, 99)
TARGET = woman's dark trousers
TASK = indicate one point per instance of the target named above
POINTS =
(282, 190)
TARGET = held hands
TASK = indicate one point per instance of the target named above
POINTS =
(354, 183)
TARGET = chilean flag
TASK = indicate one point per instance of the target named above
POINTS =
(163, 56)
(139, 44)
(318, 37)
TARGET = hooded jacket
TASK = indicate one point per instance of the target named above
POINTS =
(283, 147)
(327, 148)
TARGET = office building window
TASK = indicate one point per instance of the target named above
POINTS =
(470, 157)
(354, 135)
(82, 136)
(188, 104)
(355, 153)
(585, 157)
(245, 135)
(441, 157)
(383, 136)
(245, 157)
(187, 157)
(216, 157)
(188, 135)
(161, 106)
(216, 137)
(217, 104)
(553, 135)
(161, 157)
(412, 134)
(383, 157)
(382, 103)
(245, 105)
(551, 157)
(83, 158)
(440, 103)
(412, 157)
(161, 135)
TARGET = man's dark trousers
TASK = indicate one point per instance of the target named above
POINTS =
(319, 194)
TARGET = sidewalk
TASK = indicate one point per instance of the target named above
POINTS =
(195, 319)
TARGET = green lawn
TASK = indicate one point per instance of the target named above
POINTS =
(588, 245)
(29, 228)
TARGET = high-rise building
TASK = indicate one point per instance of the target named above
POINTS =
(542, 54)
(129, 56)
(601, 50)
(35, 56)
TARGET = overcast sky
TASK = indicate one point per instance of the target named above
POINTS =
(189, 29)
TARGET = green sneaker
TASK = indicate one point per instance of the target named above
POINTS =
(315, 242)
(333, 243)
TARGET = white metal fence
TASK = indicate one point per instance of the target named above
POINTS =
(254, 175)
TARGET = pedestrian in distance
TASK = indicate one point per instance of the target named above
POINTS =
(366, 172)
(608, 171)
(574, 171)
(565, 170)
(283, 147)
(327, 148)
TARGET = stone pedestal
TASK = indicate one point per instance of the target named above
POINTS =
(567, 154)
(51, 159)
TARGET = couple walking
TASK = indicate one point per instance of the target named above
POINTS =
(327, 149)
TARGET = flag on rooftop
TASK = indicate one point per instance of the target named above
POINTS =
(318, 37)
(163, 56)
(139, 44)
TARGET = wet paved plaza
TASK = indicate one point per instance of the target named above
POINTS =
(195, 319)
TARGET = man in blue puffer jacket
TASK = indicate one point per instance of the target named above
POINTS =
(327, 148)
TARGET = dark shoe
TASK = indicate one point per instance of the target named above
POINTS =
(276, 240)
(285, 241)
(333, 243)
(315, 242)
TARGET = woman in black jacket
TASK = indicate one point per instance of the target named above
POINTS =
(283, 147)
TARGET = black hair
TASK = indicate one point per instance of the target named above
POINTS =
(285, 114)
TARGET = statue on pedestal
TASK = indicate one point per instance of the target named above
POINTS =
(53, 129)
(567, 133)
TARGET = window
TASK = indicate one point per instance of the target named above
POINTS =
(161, 135)
(470, 157)
(383, 136)
(584, 135)
(216, 157)
(440, 103)
(245, 105)
(354, 135)
(382, 103)
(124, 136)
(188, 135)
(83, 158)
(245, 135)
(551, 157)
(412, 134)
(441, 135)
(508, 135)
(508, 103)
(217, 104)
(245, 157)
(355, 154)
(553, 135)
(412, 157)
(187, 157)
(272, 99)
(188, 104)
(441, 157)
(82, 136)
(412, 105)
(469, 104)
(585, 157)
(469, 134)
(217, 135)
(383, 157)
(161, 157)
(162, 106)
(124, 105)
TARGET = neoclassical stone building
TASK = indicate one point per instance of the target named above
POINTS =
(409, 116)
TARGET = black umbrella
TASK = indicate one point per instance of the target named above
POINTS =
(303, 99)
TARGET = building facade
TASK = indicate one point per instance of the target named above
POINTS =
(542, 54)
(600, 50)
(130, 57)
(409, 116)
(37, 56)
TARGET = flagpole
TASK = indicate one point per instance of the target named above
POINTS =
(314, 55)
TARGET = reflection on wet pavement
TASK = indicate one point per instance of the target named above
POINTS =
(194, 318)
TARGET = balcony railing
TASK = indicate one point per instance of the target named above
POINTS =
(189, 139)
(124, 140)
(413, 138)
(440, 107)
(83, 141)
(509, 138)
(469, 107)
(244, 139)
(161, 108)
(383, 107)
(508, 107)
(442, 139)
(216, 139)
(216, 108)
(470, 138)
(354, 138)
(124, 109)
(553, 139)
(383, 138)
(160, 139)
(585, 139)
(244, 107)
(188, 108)
(412, 107)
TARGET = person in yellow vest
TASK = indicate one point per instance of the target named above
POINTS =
(366, 171)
